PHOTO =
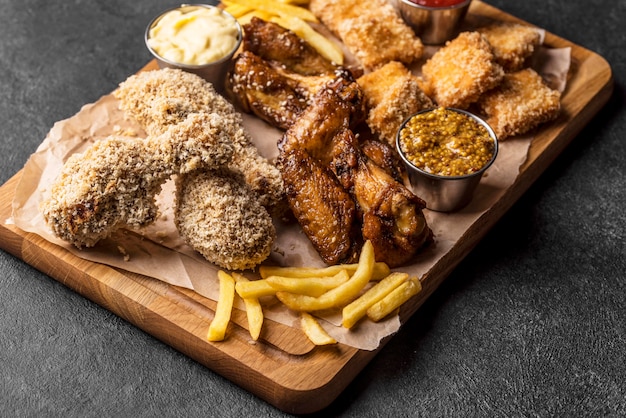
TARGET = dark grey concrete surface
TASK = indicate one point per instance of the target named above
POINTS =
(531, 323)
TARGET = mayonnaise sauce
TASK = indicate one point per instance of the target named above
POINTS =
(194, 36)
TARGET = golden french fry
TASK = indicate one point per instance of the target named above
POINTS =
(326, 48)
(311, 286)
(254, 289)
(254, 311)
(393, 300)
(339, 296)
(357, 309)
(279, 8)
(237, 10)
(247, 17)
(217, 329)
(380, 271)
(314, 330)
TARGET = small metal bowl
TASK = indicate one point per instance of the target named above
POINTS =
(445, 193)
(434, 25)
(214, 72)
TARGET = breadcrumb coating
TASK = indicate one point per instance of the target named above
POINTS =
(113, 184)
(512, 43)
(521, 102)
(392, 94)
(373, 30)
(216, 217)
(463, 69)
(160, 98)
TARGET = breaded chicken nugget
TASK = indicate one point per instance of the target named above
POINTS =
(512, 43)
(392, 94)
(160, 98)
(463, 69)
(113, 184)
(217, 218)
(521, 102)
(373, 30)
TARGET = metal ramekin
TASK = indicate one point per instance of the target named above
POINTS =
(445, 193)
(214, 72)
(434, 25)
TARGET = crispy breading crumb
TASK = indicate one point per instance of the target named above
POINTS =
(160, 98)
(113, 184)
(392, 94)
(373, 31)
(512, 43)
(521, 102)
(463, 69)
(217, 218)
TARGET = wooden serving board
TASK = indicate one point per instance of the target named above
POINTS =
(283, 367)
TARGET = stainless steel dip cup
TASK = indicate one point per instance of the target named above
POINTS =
(214, 72)
(445, 193)
(434, 25)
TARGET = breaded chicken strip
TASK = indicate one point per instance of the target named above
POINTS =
(160, 98)
(113, 184)
(216, 217)
(512, 43)
(521, 102)
(392, 94)
(372, 30)
(463, 69)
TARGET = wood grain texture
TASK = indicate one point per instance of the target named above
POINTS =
(284, 368)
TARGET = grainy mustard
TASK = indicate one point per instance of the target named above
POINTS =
(446, 142)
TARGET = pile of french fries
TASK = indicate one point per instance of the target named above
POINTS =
(310, 290)
(290, 14)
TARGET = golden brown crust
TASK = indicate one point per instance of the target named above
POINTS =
(158, 99)
(521, 102)
(392, 94)
(461, 71)
(373, 31)
(216, 217)
(113, 184)
(512, 43)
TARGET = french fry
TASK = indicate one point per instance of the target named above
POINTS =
(247, 17)
(393, 300)
(254, 311)
(217, 329)
(254, 289)
(327, 48)
(278, 8)
(311, 286)
(357, 309)
(339, 296)
(237, 10)
(314, 330)
(380, 271)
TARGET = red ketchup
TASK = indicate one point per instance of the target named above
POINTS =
(438, 3)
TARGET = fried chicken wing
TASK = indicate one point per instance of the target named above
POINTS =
(387, 213)
(272, 42)
(113, 184)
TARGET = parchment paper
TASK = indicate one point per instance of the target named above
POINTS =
(158, 252)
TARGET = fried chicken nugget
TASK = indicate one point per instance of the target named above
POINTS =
(216, 217)
(512, 43)
(160, 98)
(521, 102)
(113, 184)
(373, 31)
(463, 69)
(392, 94)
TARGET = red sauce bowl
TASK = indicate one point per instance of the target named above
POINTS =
(434, 21)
